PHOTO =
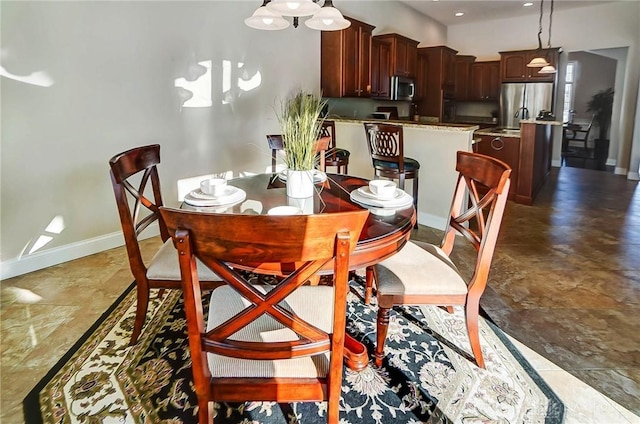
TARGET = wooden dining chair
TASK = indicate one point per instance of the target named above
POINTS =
(280, 343)
(334, 155)
(136, 185)
(423, 273)
(386, 148)
(276, 144)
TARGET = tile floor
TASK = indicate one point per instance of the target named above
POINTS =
(565, 285)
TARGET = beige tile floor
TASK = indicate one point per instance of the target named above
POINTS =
(43, 313)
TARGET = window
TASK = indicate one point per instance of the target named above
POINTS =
(567, 109)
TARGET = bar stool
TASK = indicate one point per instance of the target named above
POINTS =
(386, 148)
(335, 156)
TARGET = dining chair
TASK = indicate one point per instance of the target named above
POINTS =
(276, 143)
(334, 156)
(281, 343)
(386, 148)
(576, 135)
(136, 185)
(424, 274)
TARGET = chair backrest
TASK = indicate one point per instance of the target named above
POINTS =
(301, 245)
(329, 130)
(386, 143)
(476, 212)
(276, 143)
(136, 185)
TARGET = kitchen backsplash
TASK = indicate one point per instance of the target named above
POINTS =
(363, 108)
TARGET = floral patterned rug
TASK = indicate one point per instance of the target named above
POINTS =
(427, 375)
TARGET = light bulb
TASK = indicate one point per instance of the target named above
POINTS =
(327, 21)
(293, 5)
(267, 21)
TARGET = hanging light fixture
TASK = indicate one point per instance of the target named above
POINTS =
(270, 15)
(549, 69)
(539, 61)
(263, 18)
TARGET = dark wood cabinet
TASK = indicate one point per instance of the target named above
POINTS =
(513, 65)
(462, 69)
(346, 60)
(404, 54)
(484, 81)
(380, 68)
(437, 85)
(507, 149)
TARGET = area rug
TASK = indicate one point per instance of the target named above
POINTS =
(427, 376)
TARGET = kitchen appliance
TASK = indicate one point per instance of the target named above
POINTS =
(519, 101)
(402, 88)
(545, 115)
(381, 115)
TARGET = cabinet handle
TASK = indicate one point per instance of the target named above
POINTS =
(495, 146)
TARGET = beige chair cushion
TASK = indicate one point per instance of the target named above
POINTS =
(419, 268)
(165, 266)
(313, 304)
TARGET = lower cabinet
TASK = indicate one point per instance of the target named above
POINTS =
(507, 149)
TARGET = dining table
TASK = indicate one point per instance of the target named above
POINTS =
(385, 232)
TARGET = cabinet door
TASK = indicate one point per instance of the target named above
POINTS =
(364, 66)
(493, 80)
(421, 83)
(351, 70)
(476, 81)
(401, 57)
(462, 69)
(380, 68)
(449, 75)
(507, 149)
(412, 59)
(513, 67)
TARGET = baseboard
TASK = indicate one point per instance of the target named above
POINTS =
(431, 221)
(633, 176)
(57, 255)
(556, 163)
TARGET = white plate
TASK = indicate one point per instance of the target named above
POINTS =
(366, 192)
(236, 196)
(318, 176)
(285, 210)
(400, 202)
(228, 191)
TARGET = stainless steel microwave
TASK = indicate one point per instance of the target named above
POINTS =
(402, 88)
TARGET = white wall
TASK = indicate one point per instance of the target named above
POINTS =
(605, 26)
(113, 66)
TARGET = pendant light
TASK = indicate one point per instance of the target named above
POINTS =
(269, 16)
(263, 18)
(539, 61)
(549, 69)
(328, 19)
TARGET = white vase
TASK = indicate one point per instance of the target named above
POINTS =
(299, 184)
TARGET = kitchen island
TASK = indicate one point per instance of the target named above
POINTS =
(433, 145)
(527, 150)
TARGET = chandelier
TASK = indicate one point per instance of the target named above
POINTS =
(269, 16)
(539, 61)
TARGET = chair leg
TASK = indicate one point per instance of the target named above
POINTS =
(333, 402)
(205, 411)
(369, 277)
(142, 304)
(381, 334)
(471, 314)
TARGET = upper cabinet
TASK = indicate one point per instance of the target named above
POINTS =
(513, 65)
(462, 68)
(346, 60)
(380, 68)
(484, 82)
(404, 53)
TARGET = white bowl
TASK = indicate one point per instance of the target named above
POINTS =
(383, 189)
(214, 186)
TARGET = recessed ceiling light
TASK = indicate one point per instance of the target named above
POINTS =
(459, 13)
(527, 4)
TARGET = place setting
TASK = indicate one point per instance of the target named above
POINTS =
(382, 197)
(215, 192)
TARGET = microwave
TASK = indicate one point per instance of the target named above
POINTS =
(402, 88)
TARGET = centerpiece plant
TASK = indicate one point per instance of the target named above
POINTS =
(300, 122)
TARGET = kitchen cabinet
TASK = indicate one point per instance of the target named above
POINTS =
(513, 65)
(507, 149)
(404, 54)
(438, 80)
(380, 68)
(345, 61)
(462, 68)
(484, 81)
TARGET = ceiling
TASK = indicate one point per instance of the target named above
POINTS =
(444, 11)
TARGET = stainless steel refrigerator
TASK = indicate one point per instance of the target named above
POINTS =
(524, 101)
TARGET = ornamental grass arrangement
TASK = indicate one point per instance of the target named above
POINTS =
(300, 120)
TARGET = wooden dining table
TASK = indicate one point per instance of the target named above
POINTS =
(384, 233)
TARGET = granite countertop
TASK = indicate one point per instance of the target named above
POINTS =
(499, 132)
(409, 123)
(541, 122)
